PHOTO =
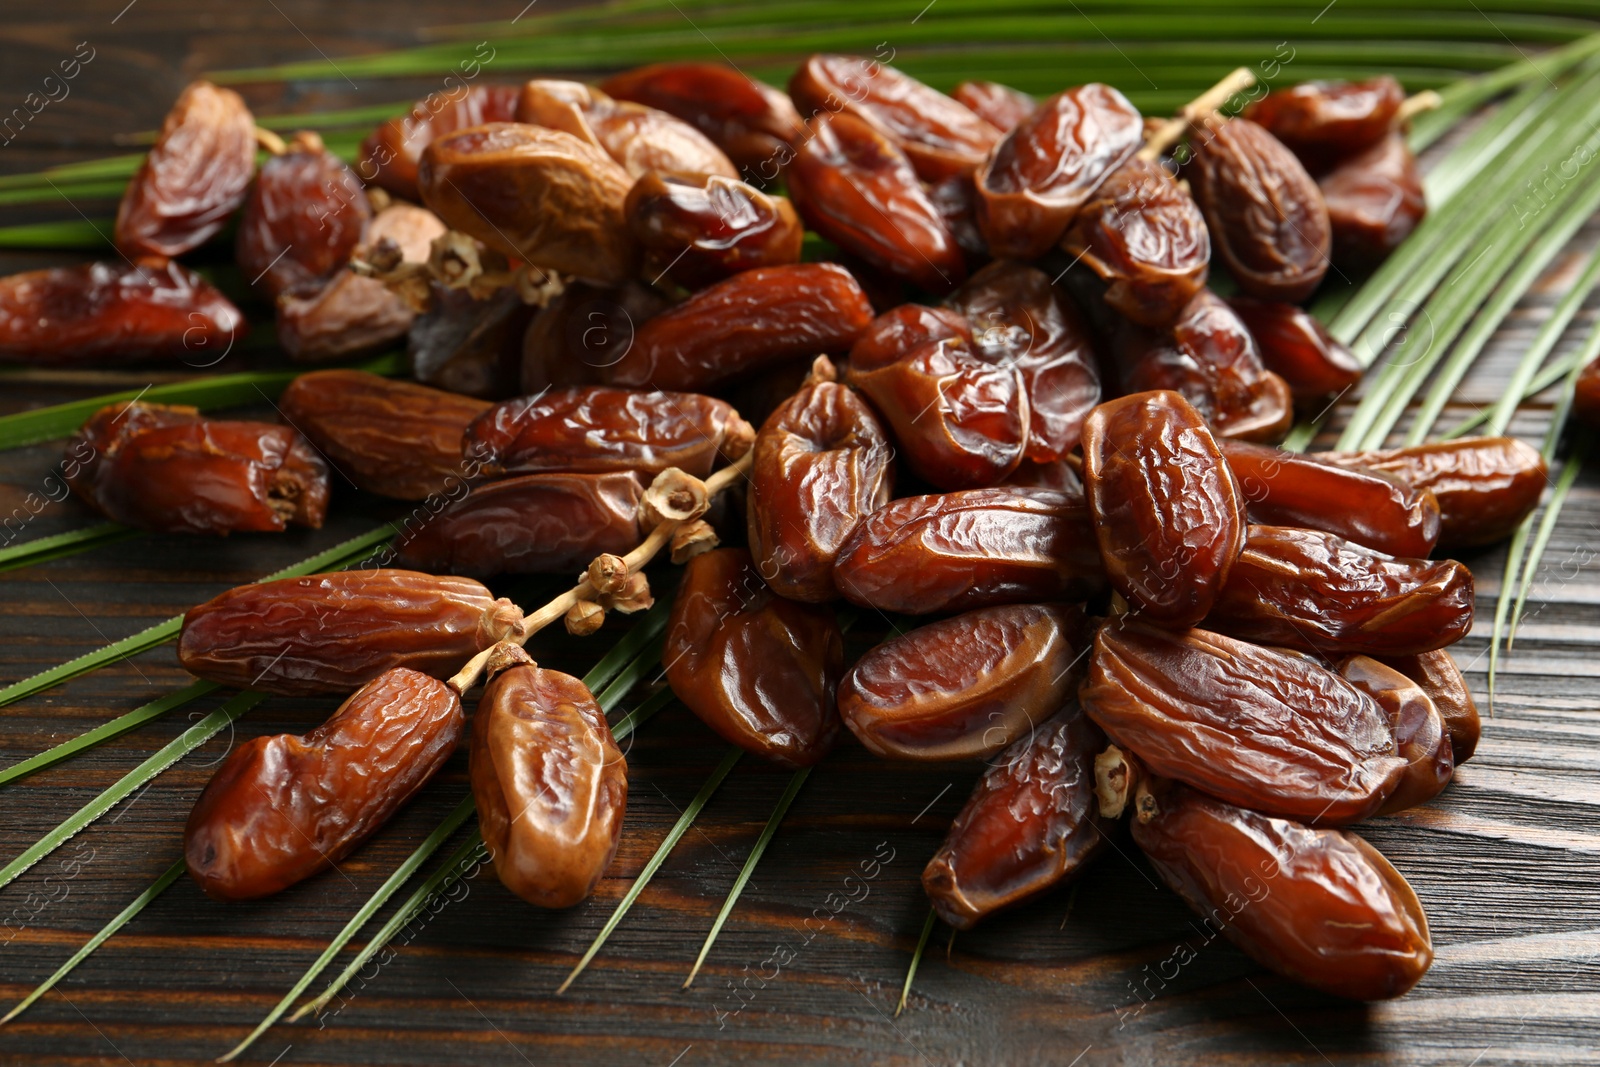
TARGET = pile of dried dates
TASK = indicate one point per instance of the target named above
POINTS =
(991, 390)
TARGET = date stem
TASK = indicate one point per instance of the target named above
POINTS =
(270, 141)
(1196, 112)
(1416, 104)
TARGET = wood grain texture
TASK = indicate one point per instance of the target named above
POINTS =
(1505, 860)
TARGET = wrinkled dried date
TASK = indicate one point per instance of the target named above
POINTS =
(964, 687)
(902, 330)
(964, 550)
(822, 464)
(999, 105)
(583, 330)
(193, 179)
(1374, 201)
(760, 670)
(753, 123)
(151, 308)
(550, 784)
(302, 219)
(1318, 592)
(1367, 507)
(1420, 736)
(282, 808)
(391, 155)
(331, 633)
(1031, 824)
(1325, 122)
(393, 438)
(1297, 347)
(595, 428)
(749, 322)
(1440, 678)
(1320, 906)
(697, 233)
(538, 523)
(1164, 504)
(641, 139)
(1272, 732)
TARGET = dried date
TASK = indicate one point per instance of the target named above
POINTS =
(999, 105)
(1374, 201)
(696, 233)
(1296, 347)
(1419, 731)
(752, 123)
(282, 808)
(1325, 122)
(468, 345)
(583, 330)
(1439, 677)
(902, 330)
(302, 219)
(759, 669)
(641, 139)
(391, 155)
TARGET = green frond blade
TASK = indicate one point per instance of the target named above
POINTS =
(916, 958)
(59, 546)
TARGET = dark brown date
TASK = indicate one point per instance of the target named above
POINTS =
(1034, 181)
(958, 551)
(854, 187)
(697, 233)
(1019, 319)
(1145, 237)
(283, 808)
(751, 321)
(1032, 823)
(956, 201)
(538, 195)
(472, 346)
(1586, 395)
(1322, 907)
(641, 139)
(583, 330)
(1268, 221)
(1440, 678)
(902, 330)
(1377, 510)
(111, 313)
(193, 179)
(1164, 504)
(1485, 486)
(965, 687)
(940, 136)
(961, 421)
(1419, 731)
(595, 428)
(753, 123)
(1272, 732)
(999, 105)
(391, 155)
(1320, 593)
(550, 784)
(331, 633)
(1325, 122)
(1061, 476)
(823, 463)
(760, 670)
(393, 438)
(535, 524)
(1374, 201)
(302, 219)
(1295, 346)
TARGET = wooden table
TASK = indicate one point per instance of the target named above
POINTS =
(1505, 861)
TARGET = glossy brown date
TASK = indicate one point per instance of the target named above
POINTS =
(1272, 732)
(1420, 736)
(999, 105)
(902, 330)
(823, 463)
(1031, 824)
(472, 346)
(550, 784)
(1439, 677)
(1295, 346)
(696, 233)
(595, 428)
(1377, 510)
(1164, 504)
(534, 524)
(302, 219)
(583, 330)
(1035, 179)
(759, 669)
(641, 139)
(538, 195)
(1325, 122)
(1019, 319)
(965, 687)
(1374, 201)
(855, 188)
(1144, 236)
(194, 178)
(1322, 907)
(957, 551)
(1485, 486)
(111, 313)
(753, 123)
(940, 136)
(391, 154)
(1268, 221)
(393, 438)
(960, 421)
(282, 808)
(753, 320)
(331, 633)
(1317, 592)
(1586, 394)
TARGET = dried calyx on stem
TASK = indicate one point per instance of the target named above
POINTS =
(455, 261)
(1117, 779)
(1196, 113)
(1416, 104)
